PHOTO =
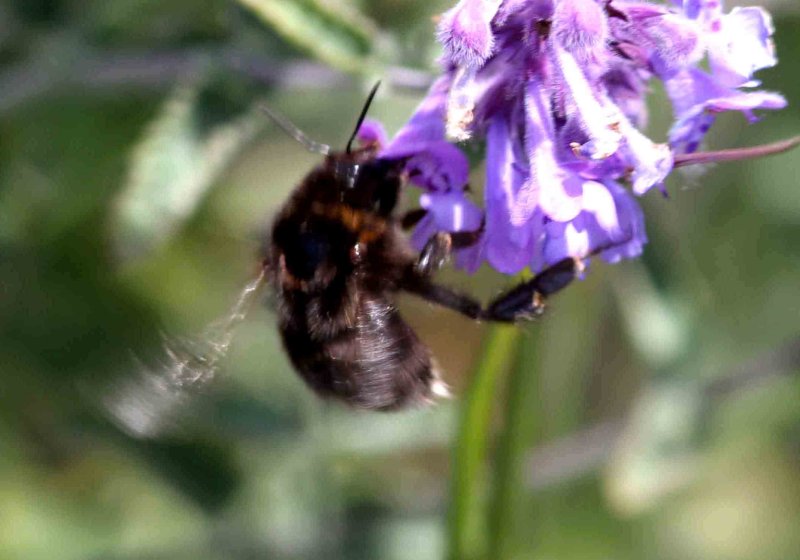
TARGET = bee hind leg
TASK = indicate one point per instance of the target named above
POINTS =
(528, 300)
(442, 295)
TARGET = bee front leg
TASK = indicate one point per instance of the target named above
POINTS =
(437, 250)
(439, 247)
(434, 254)
(412, 218)
(527, 300)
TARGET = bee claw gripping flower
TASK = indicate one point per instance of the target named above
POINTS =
(556, 90)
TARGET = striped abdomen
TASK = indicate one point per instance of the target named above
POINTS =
(374, 361)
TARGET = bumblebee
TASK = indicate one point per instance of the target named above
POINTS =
(337, 256)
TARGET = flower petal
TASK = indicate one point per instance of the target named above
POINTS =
(747, 101)
(651, 162)
(580, 27)
(525, 10)
(465, 31)
(612, 223)
(597, 200)
(477, 95)
(371, 132)
(556, 191)
(597, 119)
(630, 218)
(742, 46)
(440, 167)
(460, 112)
(511, 227)
(626, 88)
(426, 125)
(674, 41)
(452, 211)
(696, 95)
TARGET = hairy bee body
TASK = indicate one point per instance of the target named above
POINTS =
(337, 256)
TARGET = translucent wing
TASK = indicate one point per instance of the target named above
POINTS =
(149, 403)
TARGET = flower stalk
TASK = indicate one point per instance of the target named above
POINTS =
(521, 421)
(736, 154)
(468, 530)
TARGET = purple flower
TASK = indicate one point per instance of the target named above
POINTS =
(580, 28)
(372, 132)
(697, 98)
(466, 33)
(556, 90)
(737, 44)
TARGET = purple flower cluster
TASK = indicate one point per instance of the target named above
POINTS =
(556, 91)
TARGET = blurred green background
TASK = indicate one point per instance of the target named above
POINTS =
(654, 413)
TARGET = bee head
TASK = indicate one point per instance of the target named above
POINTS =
(365, 182)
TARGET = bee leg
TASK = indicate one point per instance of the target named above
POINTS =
(442, 295)
(434, 254)
(527, 300)
(437, 250)
(412, 218)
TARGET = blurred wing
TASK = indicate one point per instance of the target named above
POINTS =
(149, 402)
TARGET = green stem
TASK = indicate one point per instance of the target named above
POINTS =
(468, 521)
(521, 423)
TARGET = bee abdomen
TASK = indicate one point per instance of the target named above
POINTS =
(377, 364)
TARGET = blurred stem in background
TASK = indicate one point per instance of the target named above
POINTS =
(522, 419)
(468, 508)
(96, 72)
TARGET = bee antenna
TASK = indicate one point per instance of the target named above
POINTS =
(291, 129)
(362, 116)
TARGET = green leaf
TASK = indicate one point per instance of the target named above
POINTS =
(193, 139)
(332, 31)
